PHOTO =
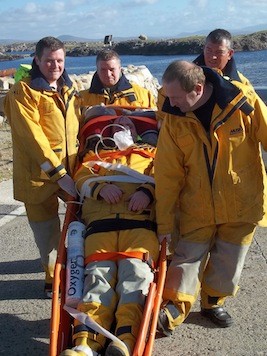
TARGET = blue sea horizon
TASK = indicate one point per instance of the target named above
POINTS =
(251, 64)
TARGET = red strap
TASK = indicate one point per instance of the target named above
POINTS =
(110, 118)
(118, 154)
(115, 256)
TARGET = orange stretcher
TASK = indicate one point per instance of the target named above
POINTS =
(61, 325)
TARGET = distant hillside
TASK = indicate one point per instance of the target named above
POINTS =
(69, 38)
(174, 46)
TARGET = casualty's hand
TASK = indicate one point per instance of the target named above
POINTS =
(161, 237)
(138, 201)
(111, 193)
(67, 184)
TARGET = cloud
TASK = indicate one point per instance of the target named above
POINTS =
(31, 8)
(144, 2)
(94, 19)
(77, 2)
(255, 3)
(59, 6)
(199, 4)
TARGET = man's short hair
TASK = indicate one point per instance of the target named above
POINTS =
(48, 42)
(218, 36)
(107, 55)
(187, 74)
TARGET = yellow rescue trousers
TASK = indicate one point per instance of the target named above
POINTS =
(212, 257)
(45, 224)
(115, 291)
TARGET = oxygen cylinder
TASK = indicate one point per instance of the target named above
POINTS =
(75, 263)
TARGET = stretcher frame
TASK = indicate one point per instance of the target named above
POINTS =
(61, 323)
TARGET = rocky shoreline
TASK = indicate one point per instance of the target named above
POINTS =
(174, 46)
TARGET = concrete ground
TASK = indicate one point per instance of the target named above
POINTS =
(25, 315)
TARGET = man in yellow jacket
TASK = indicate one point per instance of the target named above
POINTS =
(110, 86)
(218, 53)
(43, 111)
(120, 240)
(209, 164)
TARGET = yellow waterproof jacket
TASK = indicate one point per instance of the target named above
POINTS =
(230, 72)
(218, 177)
(140, 160)
(44, 128)
(160, 115)
(125, 94)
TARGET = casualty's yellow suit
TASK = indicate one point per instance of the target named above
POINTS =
(116, 286)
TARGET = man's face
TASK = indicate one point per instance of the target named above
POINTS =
(217, 55)
(51, 64)
(180, 98)
(109, 72)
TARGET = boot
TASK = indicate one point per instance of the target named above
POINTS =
(80, 350)
(117, 349)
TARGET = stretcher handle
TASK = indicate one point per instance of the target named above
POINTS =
(158, 299)
(145, 340)
(60, 319)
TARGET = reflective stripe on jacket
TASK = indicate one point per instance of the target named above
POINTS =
(44, 132)
(218, 177)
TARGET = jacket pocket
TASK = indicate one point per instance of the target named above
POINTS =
(248, 188)
(191, 203)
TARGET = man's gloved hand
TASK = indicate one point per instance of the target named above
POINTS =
(161, 237)
(111, 193)
(67, 184)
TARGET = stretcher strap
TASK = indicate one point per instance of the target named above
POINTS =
(127, 152)
(115, 256)
(118, 167)
(107, 225)
(88, 321)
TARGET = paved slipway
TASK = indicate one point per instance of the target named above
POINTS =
(25, 315)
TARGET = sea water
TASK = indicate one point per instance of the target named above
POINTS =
(251, 64)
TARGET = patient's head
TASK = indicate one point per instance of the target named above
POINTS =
(127, 123)
(95, 111)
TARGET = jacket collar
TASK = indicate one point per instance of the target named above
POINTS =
(39, 82)
(229, 70)
(224, 92)
(98, 88)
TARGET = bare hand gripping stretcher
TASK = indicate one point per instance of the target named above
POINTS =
(63, 310)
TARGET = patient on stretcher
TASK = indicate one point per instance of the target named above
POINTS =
(115, 182)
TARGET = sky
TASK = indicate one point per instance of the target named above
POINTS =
(94, 19)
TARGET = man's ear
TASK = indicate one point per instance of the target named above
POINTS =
(199, 88)
(37, 61)
(231, 53)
